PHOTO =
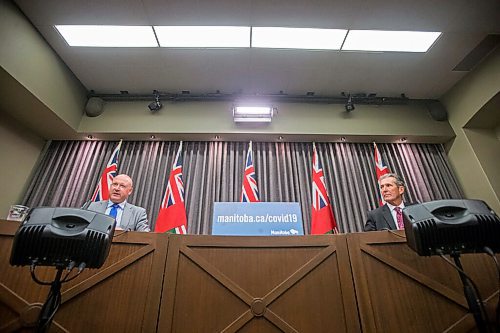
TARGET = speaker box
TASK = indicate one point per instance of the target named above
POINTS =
(94, 107)
(437, 111)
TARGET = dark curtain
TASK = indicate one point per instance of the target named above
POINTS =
(213, 171)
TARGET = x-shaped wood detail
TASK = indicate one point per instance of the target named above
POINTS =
(258, 306)
(28, 312)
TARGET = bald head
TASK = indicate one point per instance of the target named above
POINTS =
(120, 188)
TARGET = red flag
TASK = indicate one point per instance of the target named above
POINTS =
(102, 189)
(381, 170)
(172, 216)
(322, 221)
(249, 191)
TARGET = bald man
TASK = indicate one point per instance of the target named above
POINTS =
(128, 216)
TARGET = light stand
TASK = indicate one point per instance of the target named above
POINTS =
(476, 306)
(52, 303)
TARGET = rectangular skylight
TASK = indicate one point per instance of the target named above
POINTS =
(297, 38)
(396, 41)
(203, 36)
(108, 35)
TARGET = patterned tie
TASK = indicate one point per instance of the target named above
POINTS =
(399, 218)
(114, 210)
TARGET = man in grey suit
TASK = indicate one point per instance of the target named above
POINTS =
(128, 216)
(388, 216)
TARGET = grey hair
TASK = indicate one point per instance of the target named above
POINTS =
(399, 180)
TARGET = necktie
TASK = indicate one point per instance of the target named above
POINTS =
(114, 210)
(399, 218)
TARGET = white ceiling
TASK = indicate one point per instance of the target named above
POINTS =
(464, 24)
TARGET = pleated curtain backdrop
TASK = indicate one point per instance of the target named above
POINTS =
(213, 171)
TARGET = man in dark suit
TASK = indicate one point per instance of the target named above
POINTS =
(128, 216)
(388, 216)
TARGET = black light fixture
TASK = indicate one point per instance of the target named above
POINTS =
(156, 105)
(452, 227)
(349, 105)
(66, 238)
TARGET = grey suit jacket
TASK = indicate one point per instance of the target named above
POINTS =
(133, 217)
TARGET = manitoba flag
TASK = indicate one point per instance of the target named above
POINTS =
(322, 220)
(172, 215)
(381, 170)
(249, 191)
(102, 189)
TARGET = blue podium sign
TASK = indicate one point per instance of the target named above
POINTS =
(257, 219)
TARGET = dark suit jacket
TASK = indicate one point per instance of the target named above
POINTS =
(133, 217)
(381, 218)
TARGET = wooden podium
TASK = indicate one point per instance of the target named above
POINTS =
(399, 291)
(361, 282)
(122, 296)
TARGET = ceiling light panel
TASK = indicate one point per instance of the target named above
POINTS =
(203, 36)
(297, 38)
(389, 41)
(108, 35)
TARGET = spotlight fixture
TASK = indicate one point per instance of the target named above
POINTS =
(253, 114)
(156, 105)
(349, 105)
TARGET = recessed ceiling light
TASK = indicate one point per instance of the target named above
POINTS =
(108, 35)
(152, 137)
(203, 36)
(396, 41)
(297, 38)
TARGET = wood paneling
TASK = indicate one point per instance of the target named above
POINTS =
(361, 282)
(122, 296)
(398, 289)
(258, 284)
